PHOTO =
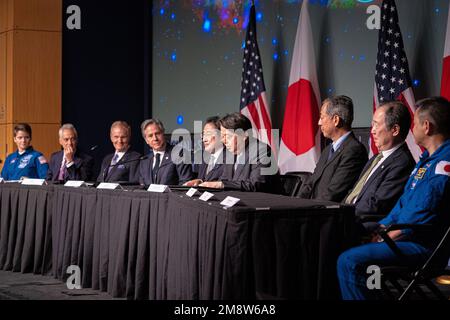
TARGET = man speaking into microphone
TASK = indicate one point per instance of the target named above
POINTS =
(122, 165)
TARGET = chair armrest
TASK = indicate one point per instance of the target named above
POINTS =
(370, 217)
(415, 227)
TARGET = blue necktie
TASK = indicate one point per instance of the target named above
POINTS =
(156, 167)
(113, 162)
(330, 155)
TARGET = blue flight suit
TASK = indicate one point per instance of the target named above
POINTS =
(424, 201)
(30, 164)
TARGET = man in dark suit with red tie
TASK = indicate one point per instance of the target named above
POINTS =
(159, 167)
(123, 164)
(69, 163)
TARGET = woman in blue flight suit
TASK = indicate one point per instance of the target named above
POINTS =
(25, 162)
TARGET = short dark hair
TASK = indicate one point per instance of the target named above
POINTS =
(215, 120)
(342, 106)
(437, 111)
(396, 113)
(22, 127)
(236, 121)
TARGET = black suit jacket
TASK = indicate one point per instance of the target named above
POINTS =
(169, 173)
(383, 188)
(127, 172)
(82, 168)
(248, 176)
(332, 179)
(215, 173)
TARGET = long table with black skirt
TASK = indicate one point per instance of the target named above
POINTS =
(144, 245)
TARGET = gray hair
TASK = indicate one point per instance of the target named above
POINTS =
(342, 106)
(122, 124)
(68, 126)
(148, 122)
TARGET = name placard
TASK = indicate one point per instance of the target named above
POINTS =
(230, 201)
(107, 185)
(33, 182)
(74, 183)
(158, 188)
(206, 196)
(191, 192)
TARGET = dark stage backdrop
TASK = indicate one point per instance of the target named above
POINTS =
(106, 71)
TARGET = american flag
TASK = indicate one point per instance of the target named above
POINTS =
(392, 78)
(253, 97)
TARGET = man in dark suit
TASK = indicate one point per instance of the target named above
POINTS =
(162, 165)
(249, 167)
(123, 164)
(341, 162)
(211, 167)
(383, 178)
(69, 163)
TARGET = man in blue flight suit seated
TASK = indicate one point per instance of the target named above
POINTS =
(424, 201)
(25, 162)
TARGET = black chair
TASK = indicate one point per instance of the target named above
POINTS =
(416, 276)
(291, 182)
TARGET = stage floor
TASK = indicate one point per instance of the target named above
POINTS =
(19, 286)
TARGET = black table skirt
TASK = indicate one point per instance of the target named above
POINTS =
(208, 251)
(118, 237)
(25, 243)
(143, 245)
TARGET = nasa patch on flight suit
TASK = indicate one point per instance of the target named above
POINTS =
(443, 168)
(420, 173)
(24, 161)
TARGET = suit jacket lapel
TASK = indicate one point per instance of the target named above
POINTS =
(116, 167)
(324, 162)
(210, 174)
(380, 169)
(107, 175)
(339, 150)
(165, 160)
(240, 167)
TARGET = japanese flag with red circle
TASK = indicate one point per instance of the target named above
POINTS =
(443, 167)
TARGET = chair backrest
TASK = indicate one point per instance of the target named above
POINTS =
(288, 185)
(292, 181)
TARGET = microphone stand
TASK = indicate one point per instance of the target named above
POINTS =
(105, 171)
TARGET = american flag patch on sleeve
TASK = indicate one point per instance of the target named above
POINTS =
(42, 160)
